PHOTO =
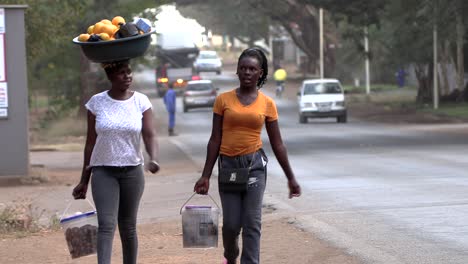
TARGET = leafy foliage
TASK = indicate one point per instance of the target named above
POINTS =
(228, 17)
(53, 60)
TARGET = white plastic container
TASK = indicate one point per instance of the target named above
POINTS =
(200, 225)
(81, 233)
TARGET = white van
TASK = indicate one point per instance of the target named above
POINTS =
(322, 98)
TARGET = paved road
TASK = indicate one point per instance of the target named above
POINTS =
(388, 194)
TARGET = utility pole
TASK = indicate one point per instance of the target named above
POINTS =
(460, 51)
(366, 51)
(321, 41)
(436, 74)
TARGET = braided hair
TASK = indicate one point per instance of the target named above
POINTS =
(262, 59)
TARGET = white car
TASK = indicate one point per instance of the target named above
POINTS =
(322, 98)
(208, 61)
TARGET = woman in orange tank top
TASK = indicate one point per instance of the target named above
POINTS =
(238, 118)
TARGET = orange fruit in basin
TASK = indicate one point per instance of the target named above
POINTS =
(104, 36)
(106, 21)
(109, 29)
(90, 29)
(116, 21)
(98, 27)
(83, 37)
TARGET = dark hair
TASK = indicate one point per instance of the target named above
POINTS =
(262, 59)
(111, 67)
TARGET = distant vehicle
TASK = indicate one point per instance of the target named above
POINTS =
(208, 61)
(322, 98)
(175, 53)
(198, 94)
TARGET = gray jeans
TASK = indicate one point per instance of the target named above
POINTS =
(243, 210)
(117, 192)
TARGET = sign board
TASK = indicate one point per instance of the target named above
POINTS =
(3, 113)
(2, 21)
(3, 84)
(2, 58)
(3, 94)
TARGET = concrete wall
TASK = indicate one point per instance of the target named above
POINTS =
(14, 139)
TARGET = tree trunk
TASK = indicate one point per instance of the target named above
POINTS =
(84, 85)
(424, 76)
(445, 61)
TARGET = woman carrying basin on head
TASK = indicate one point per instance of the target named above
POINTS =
(235, 142)
(117, 120)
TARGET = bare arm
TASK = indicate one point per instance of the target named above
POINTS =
(149, 139)
(202, 185)
(279, 149)
(213, 145)
(79, 192)
(89, 146)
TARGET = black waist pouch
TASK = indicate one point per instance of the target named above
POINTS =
(233, 179)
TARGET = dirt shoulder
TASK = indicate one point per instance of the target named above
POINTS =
(161, 242)
(160, 238)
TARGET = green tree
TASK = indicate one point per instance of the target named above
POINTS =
(228, 18)
(298, 17)
(410, 25)
(54, 64)
(49, 24)
(401, 34)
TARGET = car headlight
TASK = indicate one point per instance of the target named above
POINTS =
(340, 103)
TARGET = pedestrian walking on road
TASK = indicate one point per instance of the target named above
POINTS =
(170, 102)
(235, 142)
(117, 120)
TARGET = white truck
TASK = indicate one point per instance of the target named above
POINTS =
(175, 54)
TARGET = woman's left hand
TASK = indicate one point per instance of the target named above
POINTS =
(294, 188)
(153, 166)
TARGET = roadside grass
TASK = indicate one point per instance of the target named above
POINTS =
(385, 97)
(66, 133)
(21, 218)
(38, 102)
(64, 127)
(375, 88)
(459, 110)
(404, 100)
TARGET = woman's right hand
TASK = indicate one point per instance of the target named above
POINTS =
(79, 192)
(202, 185)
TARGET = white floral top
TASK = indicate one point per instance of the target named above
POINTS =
(118, 127)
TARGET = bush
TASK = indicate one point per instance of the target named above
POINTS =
(20, 217)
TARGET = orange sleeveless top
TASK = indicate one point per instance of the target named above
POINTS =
(242, 124)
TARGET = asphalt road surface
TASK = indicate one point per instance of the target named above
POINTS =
(388, 194)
